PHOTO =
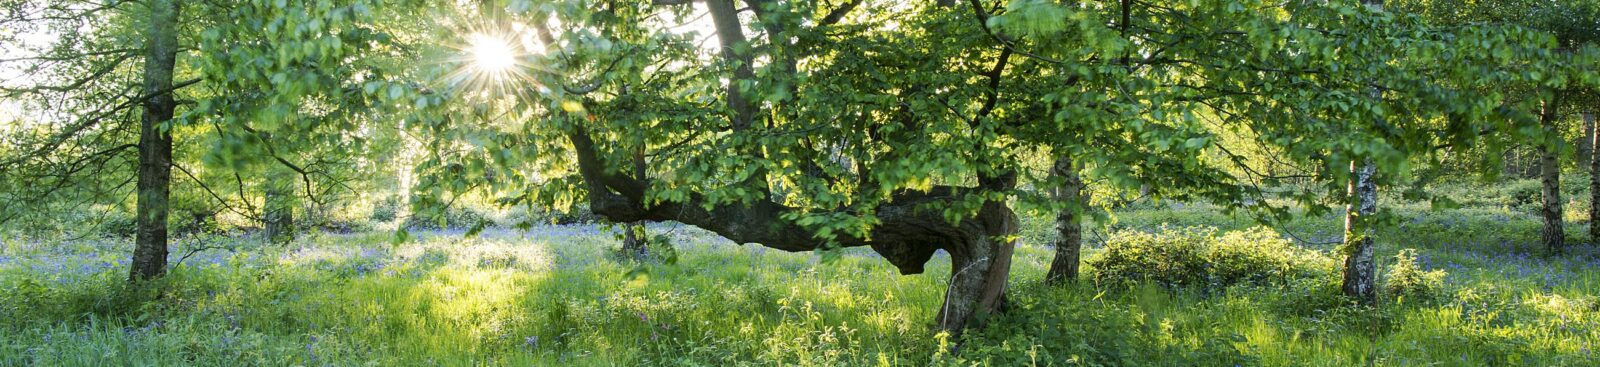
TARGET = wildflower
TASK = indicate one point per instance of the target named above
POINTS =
(531, 341)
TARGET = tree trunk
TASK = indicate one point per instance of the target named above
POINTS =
(1069, 226)
(1508, 163)
(1586, 145)
(1359, 272)
(634, 242)
(1550, 179)
(980, 263)
(1594, 178)
(155, 143)
(279, 216)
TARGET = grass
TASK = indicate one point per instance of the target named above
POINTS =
(551, 296)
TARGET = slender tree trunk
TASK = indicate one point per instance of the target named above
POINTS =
(279, 214)
(1069, 226)
(1586, 145)
(1594, 178)
(1550, 179)
(155, 142)
(1514, 165)
(1360, 275)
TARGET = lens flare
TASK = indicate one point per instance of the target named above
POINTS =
(491, 54)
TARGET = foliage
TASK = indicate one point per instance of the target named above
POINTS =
(454, 217)
(1199, 257)
(1409, 280)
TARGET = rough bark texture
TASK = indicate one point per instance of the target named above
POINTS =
(1550, 180)
(1359, 272)
(1594, 178)
(1069, 227)
(155, 143)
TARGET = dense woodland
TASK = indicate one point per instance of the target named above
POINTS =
(980, 182)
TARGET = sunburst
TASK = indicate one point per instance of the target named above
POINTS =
(492, 64)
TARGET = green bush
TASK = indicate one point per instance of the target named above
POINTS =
(521, 215)
(453, 217)
(1200, 257)
(1408, 280)
(386, 210)
(1521, 194)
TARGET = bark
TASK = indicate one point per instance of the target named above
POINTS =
(1594, 178)
(979, 266)
(155, 143)
(1550, 180)
(1360, 274)
(634, 244)
(1069, 226)
(1586, 145)
(735, 49)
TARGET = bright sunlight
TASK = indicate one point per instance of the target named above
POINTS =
(491, 54)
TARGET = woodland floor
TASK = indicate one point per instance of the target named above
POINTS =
(551, 296)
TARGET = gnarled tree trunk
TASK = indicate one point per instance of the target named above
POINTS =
(980, 263)
(1069, 227)
(155, 142)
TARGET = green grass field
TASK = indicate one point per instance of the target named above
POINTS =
(552, 296)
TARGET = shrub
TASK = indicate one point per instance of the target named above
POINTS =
(522, 215)
(1522, 194)
(1407, 279)
(1199, 257)
(452, 217)
(385, 210)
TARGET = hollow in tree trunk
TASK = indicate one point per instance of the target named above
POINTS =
(155, 143)
(1069, 226)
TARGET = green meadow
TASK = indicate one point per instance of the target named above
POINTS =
(551, 295)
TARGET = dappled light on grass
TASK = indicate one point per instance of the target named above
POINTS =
(550, 296)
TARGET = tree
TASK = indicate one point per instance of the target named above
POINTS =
(155, 141)
(1360, 274)
(237, 58)
(834, 129)
(1069, 224)
(1550, 77)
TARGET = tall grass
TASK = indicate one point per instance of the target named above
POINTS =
(550, 296)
